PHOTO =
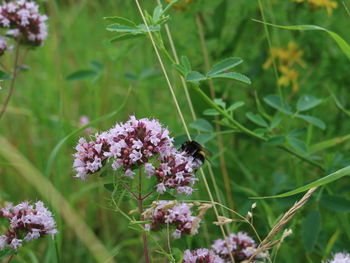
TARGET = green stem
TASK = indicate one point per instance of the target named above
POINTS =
(12, 85)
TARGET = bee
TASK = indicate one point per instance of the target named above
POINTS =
(196, 150)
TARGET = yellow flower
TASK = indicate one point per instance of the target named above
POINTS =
(287, 60)
(289, 76)
(329, 5)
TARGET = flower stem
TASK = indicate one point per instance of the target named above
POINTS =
(12, 85)
(144, 234)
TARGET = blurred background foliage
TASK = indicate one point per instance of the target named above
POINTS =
(47, 106)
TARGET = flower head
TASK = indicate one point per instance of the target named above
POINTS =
(242, 247)
(172, 213)
(339, 258)
(201, 255)
(24, 21)
(27, 222)
(138, 144)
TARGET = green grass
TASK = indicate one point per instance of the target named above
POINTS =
(46, 108)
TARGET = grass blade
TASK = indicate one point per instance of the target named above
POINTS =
(324, 180)
(343, 45)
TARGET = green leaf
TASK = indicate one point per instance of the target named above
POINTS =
(223, 65)
(144, 29)
(4, 75)
(97, 66)
(257, 119)
(328, 143)
(311, 230)
(202, 125)
(81, 74)
(236, 105)
(109, 187)
(307, 102)
(313, 120)
(232, 75)
(157, 12)
(322, 181)
(126, 37)
(124, 29)
(194, 77)
(211, 112)
(297, 144)
(220, 103)
(276, 140)
(186, 63)
(343, 45)
(275, 102)
(335, 203)
(120, 20)
(204, 137)
(276, 120)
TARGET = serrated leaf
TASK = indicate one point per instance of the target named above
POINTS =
(313, 120)
(335, 203)
(275, 102)
(257, 119)
(123, 29)
(195, 77)
(126, 37)
(311, 229)
(307, 102)
(202, 125)
(81, 74)
(144, 29)
(120, 20)
(236, 105)
(223, 65)
(181, 69)
(220, 102)
(211, 112)
(297, 144)
(232, 75)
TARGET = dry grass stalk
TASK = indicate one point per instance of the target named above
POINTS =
(267, 244)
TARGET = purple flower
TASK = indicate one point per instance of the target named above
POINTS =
(201, 255)
(175, 214)
(90, 156)
(24, 21)
(242, 247)
(339, 258)
(27, 222)
(138, 144)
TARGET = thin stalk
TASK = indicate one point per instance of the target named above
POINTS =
(10, 258)
(217, 126)
(270, 47)
(144, 234)
(180, 114)
(12, 85)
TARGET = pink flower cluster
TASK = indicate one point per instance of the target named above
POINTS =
(27, 222)
(339, 258)
(242, 247)
(201, 255)
(24, 21)
(135, 144)
(172, 213)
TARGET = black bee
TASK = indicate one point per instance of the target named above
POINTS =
(196, 150)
